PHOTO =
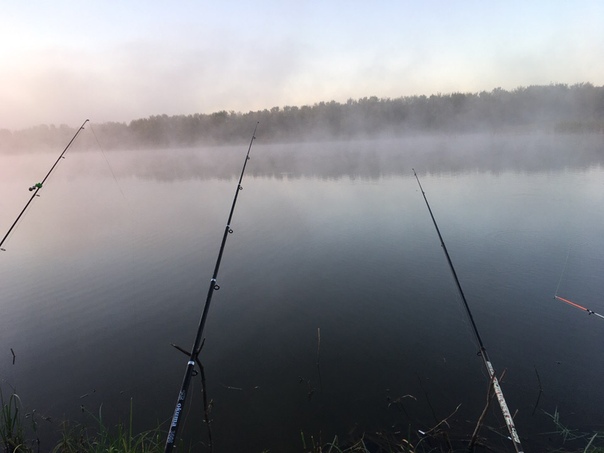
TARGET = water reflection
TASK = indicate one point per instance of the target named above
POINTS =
(368, 159)
(96, 285)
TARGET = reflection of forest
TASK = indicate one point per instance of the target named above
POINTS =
(370, 159)
(553, 108)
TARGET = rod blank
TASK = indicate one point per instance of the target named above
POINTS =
(182, 395)
(580, 307)
(36, 187)
(509, 421)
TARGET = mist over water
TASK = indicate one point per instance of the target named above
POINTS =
(366, 159)
(101, 276)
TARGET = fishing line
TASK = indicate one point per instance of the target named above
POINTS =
(570, 302)
(563, 270)
(36, 187)
(106, 160)
(509, 421)
(195, 350)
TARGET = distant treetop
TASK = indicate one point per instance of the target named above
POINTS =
(555, 108)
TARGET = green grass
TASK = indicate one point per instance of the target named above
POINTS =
(569, 435)
(100, 439)
(379, 444)
(18, 437)
(12, 432)
(18, 434)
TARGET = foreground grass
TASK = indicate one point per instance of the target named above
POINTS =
(18, 434)
(79, 439)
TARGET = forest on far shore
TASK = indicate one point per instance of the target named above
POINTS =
(556, 108)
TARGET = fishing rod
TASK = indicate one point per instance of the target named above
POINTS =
(580, 307)
(195, 350)
(569, 302)
(36, 187)
(509, 421)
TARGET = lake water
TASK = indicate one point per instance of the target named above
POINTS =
(112, 263)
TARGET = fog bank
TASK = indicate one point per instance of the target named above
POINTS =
(551, 109)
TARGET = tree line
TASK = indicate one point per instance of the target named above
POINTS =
(556, 108)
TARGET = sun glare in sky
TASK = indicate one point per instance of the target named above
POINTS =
(64, 61)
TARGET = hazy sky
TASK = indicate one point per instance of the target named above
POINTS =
(64, 61)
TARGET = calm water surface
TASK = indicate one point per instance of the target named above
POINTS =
(104, 273)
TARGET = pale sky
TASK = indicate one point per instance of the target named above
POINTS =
(65, 61)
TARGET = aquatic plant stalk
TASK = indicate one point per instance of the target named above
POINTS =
(182, 395)
(36, 187)
(509, 421)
